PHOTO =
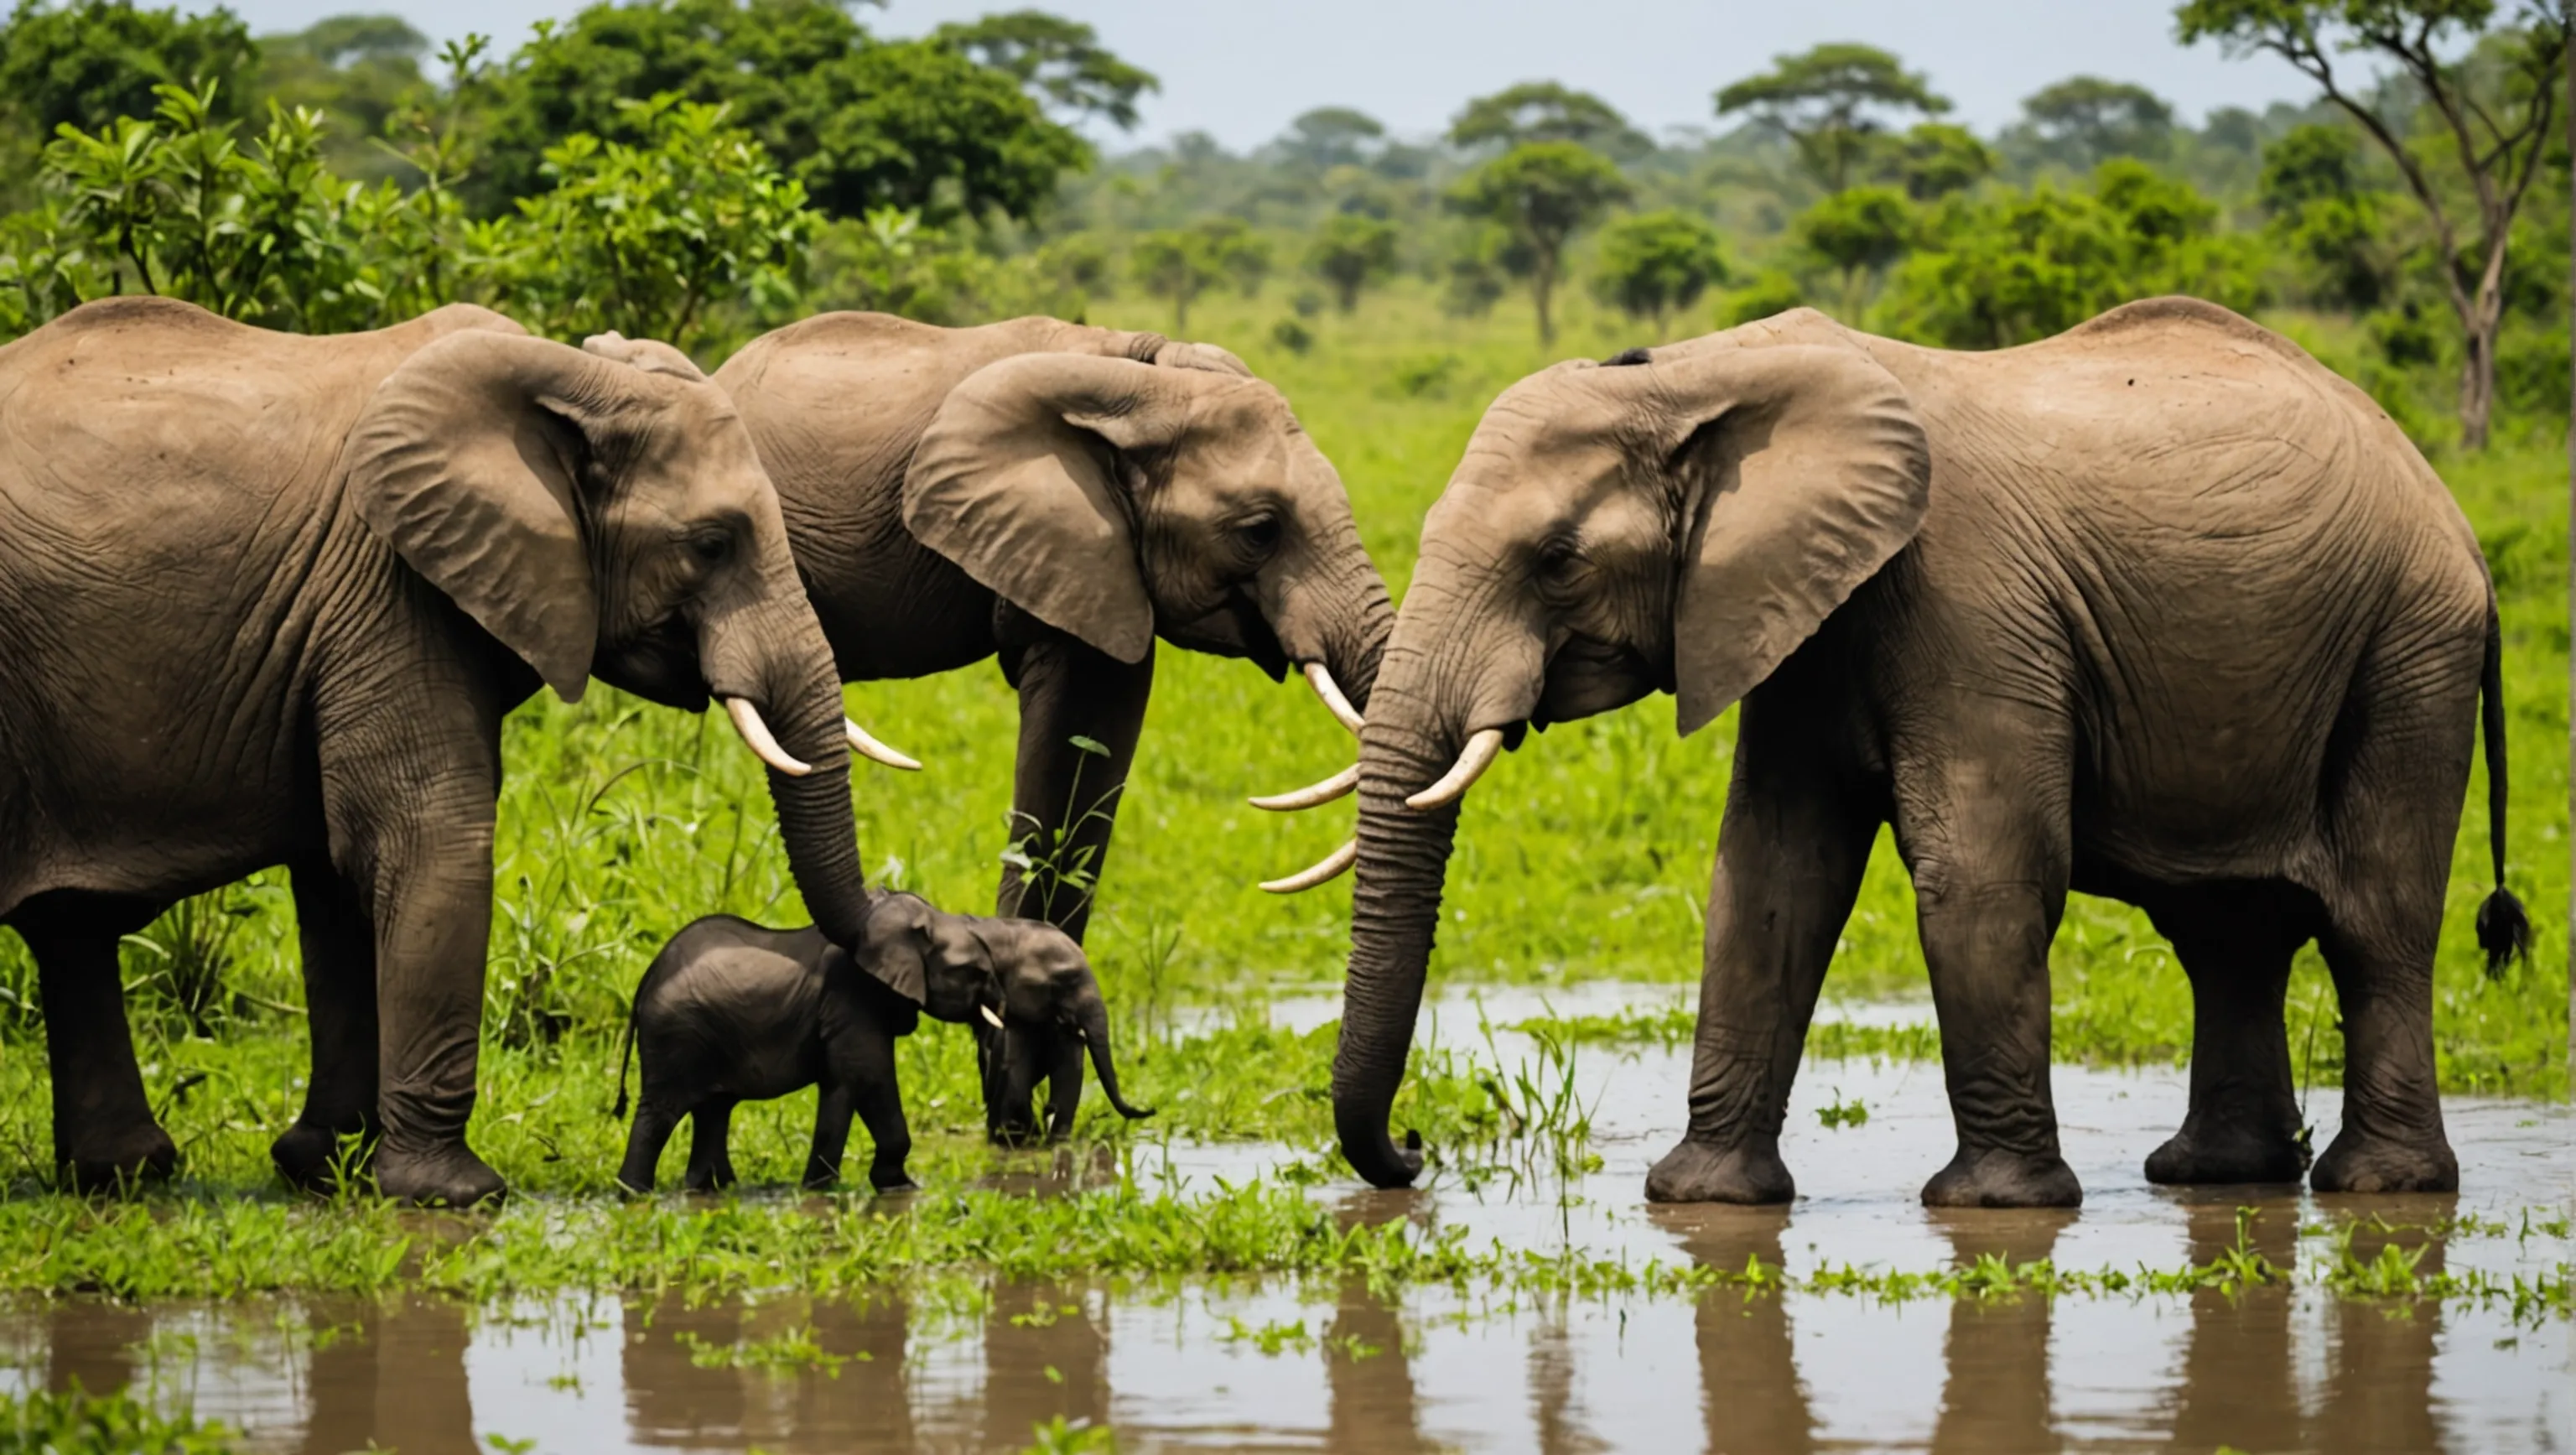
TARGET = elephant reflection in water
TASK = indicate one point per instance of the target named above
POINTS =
(1031, 1329)
(1995, 1389)
(93, 1345)
(1750, 1393)
(2378, 1392)
(1368, 1376)
(2239, 1382)
(392, 1375)
(861, 1404)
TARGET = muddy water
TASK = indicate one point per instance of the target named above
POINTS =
(2271, 1369)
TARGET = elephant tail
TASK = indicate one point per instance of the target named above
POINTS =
(625, 1058)
(2504, 929)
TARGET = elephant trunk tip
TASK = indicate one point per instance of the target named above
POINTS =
(1372, 1153)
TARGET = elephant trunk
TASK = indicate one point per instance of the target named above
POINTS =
(1091, 1022)
(773, 656)
(1356, 643)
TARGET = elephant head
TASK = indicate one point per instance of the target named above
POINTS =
(602, 513)
(1118, 501)
(1680, 520)
(1027, 990)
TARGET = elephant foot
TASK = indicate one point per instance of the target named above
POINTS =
(896, 1180)
(1993, 1177)
(314, 1158)
(1707, 1172)
(449, 1176)
(2225, 1154)
(118, 1163)
(2359, 1163)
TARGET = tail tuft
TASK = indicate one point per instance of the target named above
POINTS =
(619, 1111)
(2504, 931)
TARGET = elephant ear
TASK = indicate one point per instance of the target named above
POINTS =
(1215, 358)
(1016, 482)
(465, 461)
(1811, 472)
(892, 945)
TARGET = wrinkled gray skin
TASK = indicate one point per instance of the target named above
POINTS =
(1056, 496)
(265, 600)
(731, 1011)
(2159, 610)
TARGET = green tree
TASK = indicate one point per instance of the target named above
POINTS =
(1546, 111)
(2084, 121)
(2029, 264)
(2328, 218)
(1350, 251)
(2489, 114)
(644, 238)
(1179, 264)
(1329, 137)
(1933, 159)
(86, 63)
(1541, 194)
(1652, 265)
(1824, 102)
(1060, 60)
(862, 123)
(1860, 232)
(360, 72)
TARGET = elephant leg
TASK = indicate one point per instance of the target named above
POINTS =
(863, 1065)
(339, 952)
(2243, 1126)
(655, 1120)
(1064, 799)
(2396, 822)
(832, 1110)
(1791, 851)
(710, 1161)
(1989, 843)
(104, 1133)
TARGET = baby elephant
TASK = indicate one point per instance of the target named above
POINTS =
(731, 1011)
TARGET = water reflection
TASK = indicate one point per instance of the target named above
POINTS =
(1995, 1400)
(1752, 1399)
(391, 1374)
(2378, 1395)
(1368, 1371)
(2238, 1382)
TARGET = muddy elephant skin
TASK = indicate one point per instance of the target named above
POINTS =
(2159, 610)
(265, 599)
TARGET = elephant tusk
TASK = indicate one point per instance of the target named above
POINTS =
(1337, 786)
(868, 747)
(1472, 762)
(990, 1019)
(1334, 866)
(1326, 688)
(755, 733)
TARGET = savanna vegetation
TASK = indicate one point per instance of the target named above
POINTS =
(701, 170)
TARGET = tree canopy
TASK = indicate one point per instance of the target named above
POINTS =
(1827, 101)
(1060, 60)
(2086, 120)
(1546, 111)
(1541, 194)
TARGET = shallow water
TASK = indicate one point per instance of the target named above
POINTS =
(2270, 1369)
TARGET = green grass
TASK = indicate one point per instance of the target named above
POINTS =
(1586, 858)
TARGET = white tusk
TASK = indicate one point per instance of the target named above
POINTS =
(746, 721)
(1339, 785)
(990, 1019)
(1472, 762)
(1331, 691)
(1334, 866)
(868, 747)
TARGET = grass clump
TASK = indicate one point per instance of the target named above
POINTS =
(75, 1422)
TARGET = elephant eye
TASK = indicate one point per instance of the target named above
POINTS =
(1259, 533)
(1558, 557)
(711, 545)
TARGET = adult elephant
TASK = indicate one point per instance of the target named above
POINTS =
(2159, 609)
(265, 599)
(1058, 496)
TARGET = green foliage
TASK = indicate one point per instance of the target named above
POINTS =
(90, 62)
(1771, 292)
(1652, 265)
(1060, 60)
(1182, 263)
(1932, 159)
(2084, 121)
(2329, 224)
(1860, 232)
(1541, 194)
(1329, 137)
(361, 72)
(643, 238)
(2027, 265)
(861, 123)
(1349, 252)
(1828, 101)
(75, 1422)
(1545, 111)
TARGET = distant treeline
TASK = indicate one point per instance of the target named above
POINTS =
(701, 169)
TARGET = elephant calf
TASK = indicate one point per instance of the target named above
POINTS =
(731, 1011)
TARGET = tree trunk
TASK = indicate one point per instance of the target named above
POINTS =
(2477, 381)
(1543, 283)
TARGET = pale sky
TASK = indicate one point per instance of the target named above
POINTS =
(1240, 70)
